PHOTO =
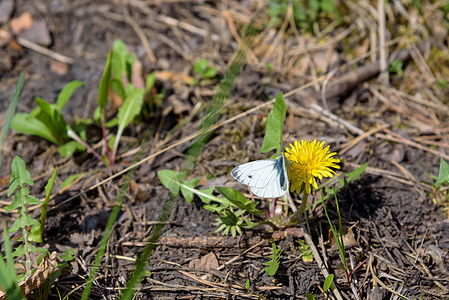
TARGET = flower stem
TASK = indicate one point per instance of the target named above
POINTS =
(23, 212)
(300, 212)
(75, 137)
(305, 195)
(105, 138)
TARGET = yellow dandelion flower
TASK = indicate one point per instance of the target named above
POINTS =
(309, 161)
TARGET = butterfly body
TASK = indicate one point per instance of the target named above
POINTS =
(267, 178)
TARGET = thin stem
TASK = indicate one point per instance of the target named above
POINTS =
(302, 208)
(116, 143)
(105, 139)
(297, 215)
(318, 260)
(25, 235)
(75, 137)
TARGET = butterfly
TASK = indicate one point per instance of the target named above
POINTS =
(267, 178)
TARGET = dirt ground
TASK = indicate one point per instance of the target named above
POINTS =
(396, 222)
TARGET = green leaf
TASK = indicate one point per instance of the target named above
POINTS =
(118, 88)
(249, 224)
(68, 255)
(80, 127)
(31, 248)
(11, 111)
(104, 84)
(30, 200)
(66, 93)
(119, 61)
(171, 179)
(150, 81)
(130, 108)
(328, 282)
(310, 296)
(97, 115)
(443, 175)
(69, 148)
(273, 264)
(48, 189)
(8, 276)
(187, 193)
(210, 72)
(52, 118)
(129, 89)
(228, 218)
(35, 235)
(19, 251)
(111, 123)
(126, 113)
(8, 251)
(354, 175)
(19, 175)
(239, 200)
(275, 126)
(396, 67)
(129, 62)
(111, 141)
(16, 225)
(306, 253)
(215, 208)
(248, 285)
(27, 124)
(35, 249)
(29, 221)
(16, 202)
(72, 178)
(200, 66)
(206, 195)
(44, 107)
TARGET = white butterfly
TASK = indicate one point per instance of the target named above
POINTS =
(267, 178)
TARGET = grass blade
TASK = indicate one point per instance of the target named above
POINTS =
(11, 111)
(113, 217)
(8, 276)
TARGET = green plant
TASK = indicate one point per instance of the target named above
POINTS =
(306, 253)
(305, 13)
(342, 182)
(443, 175)
(396, 66)
(11, 110)
(338, 234)
(273, 264)
(31, 229)
(326, 285)
(47, 120)
(275, 126)
(310, 296)
(204, 69)
(440, 195)
(117, 75)
(144, 256)
(230, 209)
(8, 276)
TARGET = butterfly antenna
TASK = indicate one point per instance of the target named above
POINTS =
(282, 149)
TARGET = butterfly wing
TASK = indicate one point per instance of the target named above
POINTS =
(267, 178)
(256, 173)
(277, 185)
